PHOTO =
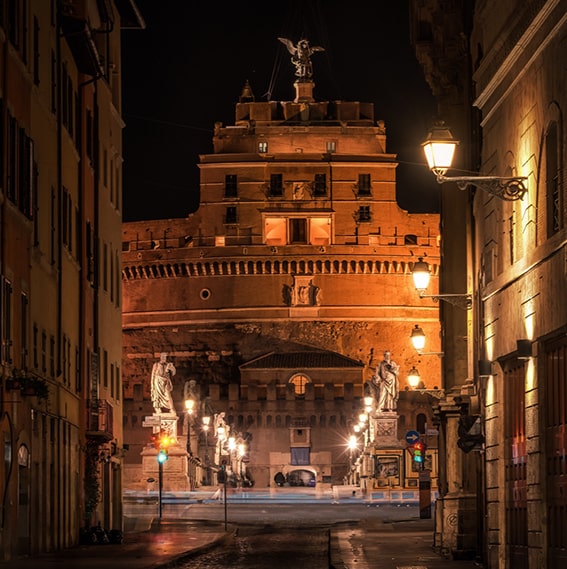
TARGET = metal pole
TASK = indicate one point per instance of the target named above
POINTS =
(225, 506)
(160, 486)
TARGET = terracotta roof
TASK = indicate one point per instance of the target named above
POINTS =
(302, 360)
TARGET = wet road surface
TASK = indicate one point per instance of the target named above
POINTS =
(272, 547)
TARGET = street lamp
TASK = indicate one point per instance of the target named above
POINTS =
(439, 148)
(206, 422)
(241, 454)
(352, 446)
(414, 381)
(417, 337)
(421, 276)
(190, 406)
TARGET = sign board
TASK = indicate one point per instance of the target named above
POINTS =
(412, 437)
(432, 432)
(151, 421)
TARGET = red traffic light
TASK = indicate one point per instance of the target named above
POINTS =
(419, 451)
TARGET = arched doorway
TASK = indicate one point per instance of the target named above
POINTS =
(301, 477)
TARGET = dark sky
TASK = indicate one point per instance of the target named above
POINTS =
(186, 70)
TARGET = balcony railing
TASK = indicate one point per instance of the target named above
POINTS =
(100, 419)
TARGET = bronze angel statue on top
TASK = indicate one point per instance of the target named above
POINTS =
(301, 57)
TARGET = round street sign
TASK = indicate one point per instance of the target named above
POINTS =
(412, 437)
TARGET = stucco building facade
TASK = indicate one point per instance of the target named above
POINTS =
(60, 308)
(279, 295)
(497, 70)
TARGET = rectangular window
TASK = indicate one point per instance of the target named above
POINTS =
(331, 146)
(112, 380)
(35, 203)
(6, 319)
(552, 171)
(53, 82)
(43, 351)
(89, 135)
(262, 147)
(14, 22)
(363, 186)
(64, 362)
(230, 187)
(320, 185)
(35, 347)
(35, 50)
(105, 368)
(24, 331)
(77, 371)
(298, 230)
(276, 185)
(51, 356)
(52, 227)
(299, 456)
(105, 266)
(11, 159)
(231, 215)
(363, 214)
(111, 277)
(118, 383)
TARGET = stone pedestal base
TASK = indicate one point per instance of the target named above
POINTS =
(386, 430)
(304, 91)
(456, 520)
(175, 477)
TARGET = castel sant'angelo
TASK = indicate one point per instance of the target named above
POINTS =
(279, 296)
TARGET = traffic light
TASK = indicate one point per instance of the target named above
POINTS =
(419, 452)
(470, 433)
(221, 474)
(162, 456)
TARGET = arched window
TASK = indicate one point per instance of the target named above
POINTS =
(421, 422)
(299, 381)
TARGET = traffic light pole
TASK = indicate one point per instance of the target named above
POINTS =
(160, 486)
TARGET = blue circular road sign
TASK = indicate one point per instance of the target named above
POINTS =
(412, 437)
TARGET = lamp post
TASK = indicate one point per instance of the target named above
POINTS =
(241, 453)
(162, 456)
(415, 383)
(206, 422)
(190, 407)
(421, 276)
(439, 148)
(352, 446)
(417, 337)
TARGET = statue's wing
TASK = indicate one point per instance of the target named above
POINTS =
(289, 44)
(317, 48)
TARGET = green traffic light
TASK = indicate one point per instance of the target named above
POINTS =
(162, 456)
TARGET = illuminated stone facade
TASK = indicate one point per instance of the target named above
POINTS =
(507, 503)
(297, 254)
(60, 309)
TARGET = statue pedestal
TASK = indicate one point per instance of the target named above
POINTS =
(175, 477)
(386, 430)
(304, 92)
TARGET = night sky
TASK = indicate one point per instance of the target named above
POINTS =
(186, 70)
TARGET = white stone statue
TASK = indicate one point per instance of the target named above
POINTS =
(162, 385)
(386, 382)
(301, 57)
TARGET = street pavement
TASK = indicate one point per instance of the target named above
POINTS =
(397, 539)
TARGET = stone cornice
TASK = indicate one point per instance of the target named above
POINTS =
(343, 265)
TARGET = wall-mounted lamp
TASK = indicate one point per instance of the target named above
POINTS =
(414, 381)
(417, 337)
(421, 275)
(439, 148)
(524, 349)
